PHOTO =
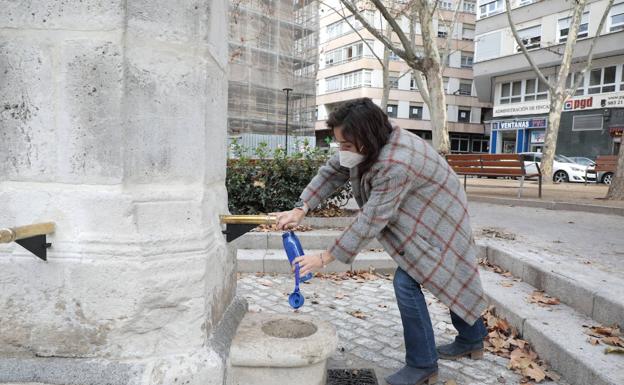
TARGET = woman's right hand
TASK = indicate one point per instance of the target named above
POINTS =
(289, 219)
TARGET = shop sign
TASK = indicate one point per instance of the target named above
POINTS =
(616, 132)
(577, 103)
(519, 124)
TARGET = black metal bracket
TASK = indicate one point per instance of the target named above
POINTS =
(233, 231)
(36, 245)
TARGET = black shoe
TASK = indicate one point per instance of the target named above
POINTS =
(456, 350)
(414, 376)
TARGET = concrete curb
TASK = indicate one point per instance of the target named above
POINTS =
(550, 205)
(555, 332)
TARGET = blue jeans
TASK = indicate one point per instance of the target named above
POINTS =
(420, 350)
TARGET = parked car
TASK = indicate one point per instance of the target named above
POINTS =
(564, 168)
(602, 176)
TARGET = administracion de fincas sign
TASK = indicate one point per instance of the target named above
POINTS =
(578, 103)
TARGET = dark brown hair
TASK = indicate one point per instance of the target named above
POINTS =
(365, 125)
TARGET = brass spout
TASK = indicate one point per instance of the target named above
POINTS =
(248, 219)
(16, 233)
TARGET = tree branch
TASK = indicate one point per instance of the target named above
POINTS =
(534, 66)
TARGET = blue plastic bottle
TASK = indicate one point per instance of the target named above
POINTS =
(293, 249)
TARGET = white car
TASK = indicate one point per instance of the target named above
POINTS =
(564, 169)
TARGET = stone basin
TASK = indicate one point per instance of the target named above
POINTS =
(281, 349)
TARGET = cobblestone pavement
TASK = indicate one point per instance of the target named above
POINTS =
(376, 341)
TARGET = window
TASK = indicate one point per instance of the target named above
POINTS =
(491, 8)
(616, 21)
(587, 122)
(622, 80)
(535, 90)
(460, 143)
(445, 82)
(511, 92)
(442, 31)
(468, 31)
(463, 115)
(360, 78)
(343, 27)
(415, 112)
(601, 80)
(394, 56)
(444, 59)
(391, 109)
(347, 53)
(467, 59)
(563, 25)
(333, 84)
(414, 85)
(480, 145)
(393, 80)
(470, 6)
(445, 4)
(531, 37)
(426, 135)
(488, 46)
(465, 87)
(571, 82)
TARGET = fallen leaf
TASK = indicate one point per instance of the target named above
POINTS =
(553, 376)
(613, 341)
(535, 372)
(609, 350)
(506, 283)
(593, 341)
(450, 382)
(358, 314)
(265, 282)
(543, 299)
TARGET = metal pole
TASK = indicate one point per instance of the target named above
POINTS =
(287, 94)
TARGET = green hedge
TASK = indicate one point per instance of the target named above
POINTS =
(269, 180)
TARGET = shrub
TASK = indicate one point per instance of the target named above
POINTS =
(269, 180)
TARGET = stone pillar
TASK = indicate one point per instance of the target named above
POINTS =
(113, 125)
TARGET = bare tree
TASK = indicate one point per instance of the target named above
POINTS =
(428, 62)
(616, 189)
(558, 89)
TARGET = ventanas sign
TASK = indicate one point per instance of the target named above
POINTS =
(578, 103)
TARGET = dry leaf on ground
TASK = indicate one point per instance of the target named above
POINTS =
(614, 341)
(265, 282)
(543, 299)
(502, 340)
(506, 283)
(450, 382)
(358, 314)
(609, 350)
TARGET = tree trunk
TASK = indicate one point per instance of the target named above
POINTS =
(616, 190)
(437, 110)
(433, 75)
(550, 139)
(386, 72)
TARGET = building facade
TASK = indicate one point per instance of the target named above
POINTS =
(273, 45)
(593, 119)
(348, 69)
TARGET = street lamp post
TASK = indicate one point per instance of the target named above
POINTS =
(287, 95)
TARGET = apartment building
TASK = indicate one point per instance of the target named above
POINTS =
(348, 69)
(593, 119)
(272, 46)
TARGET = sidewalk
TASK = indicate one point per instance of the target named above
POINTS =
(575, 193)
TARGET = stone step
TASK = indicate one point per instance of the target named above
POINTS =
(555, 332)
(316, 239)
(276, 261)
(590, 291)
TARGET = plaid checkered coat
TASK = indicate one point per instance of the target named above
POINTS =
(414, 204)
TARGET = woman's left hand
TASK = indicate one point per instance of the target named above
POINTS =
(308, 264)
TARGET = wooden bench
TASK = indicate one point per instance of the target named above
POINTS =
(606, 164)
(493, 165)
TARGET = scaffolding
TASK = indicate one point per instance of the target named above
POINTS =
(272, 46)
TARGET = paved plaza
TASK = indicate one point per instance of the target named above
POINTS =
(366, 317)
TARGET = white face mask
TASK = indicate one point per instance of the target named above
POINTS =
(350, 159)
